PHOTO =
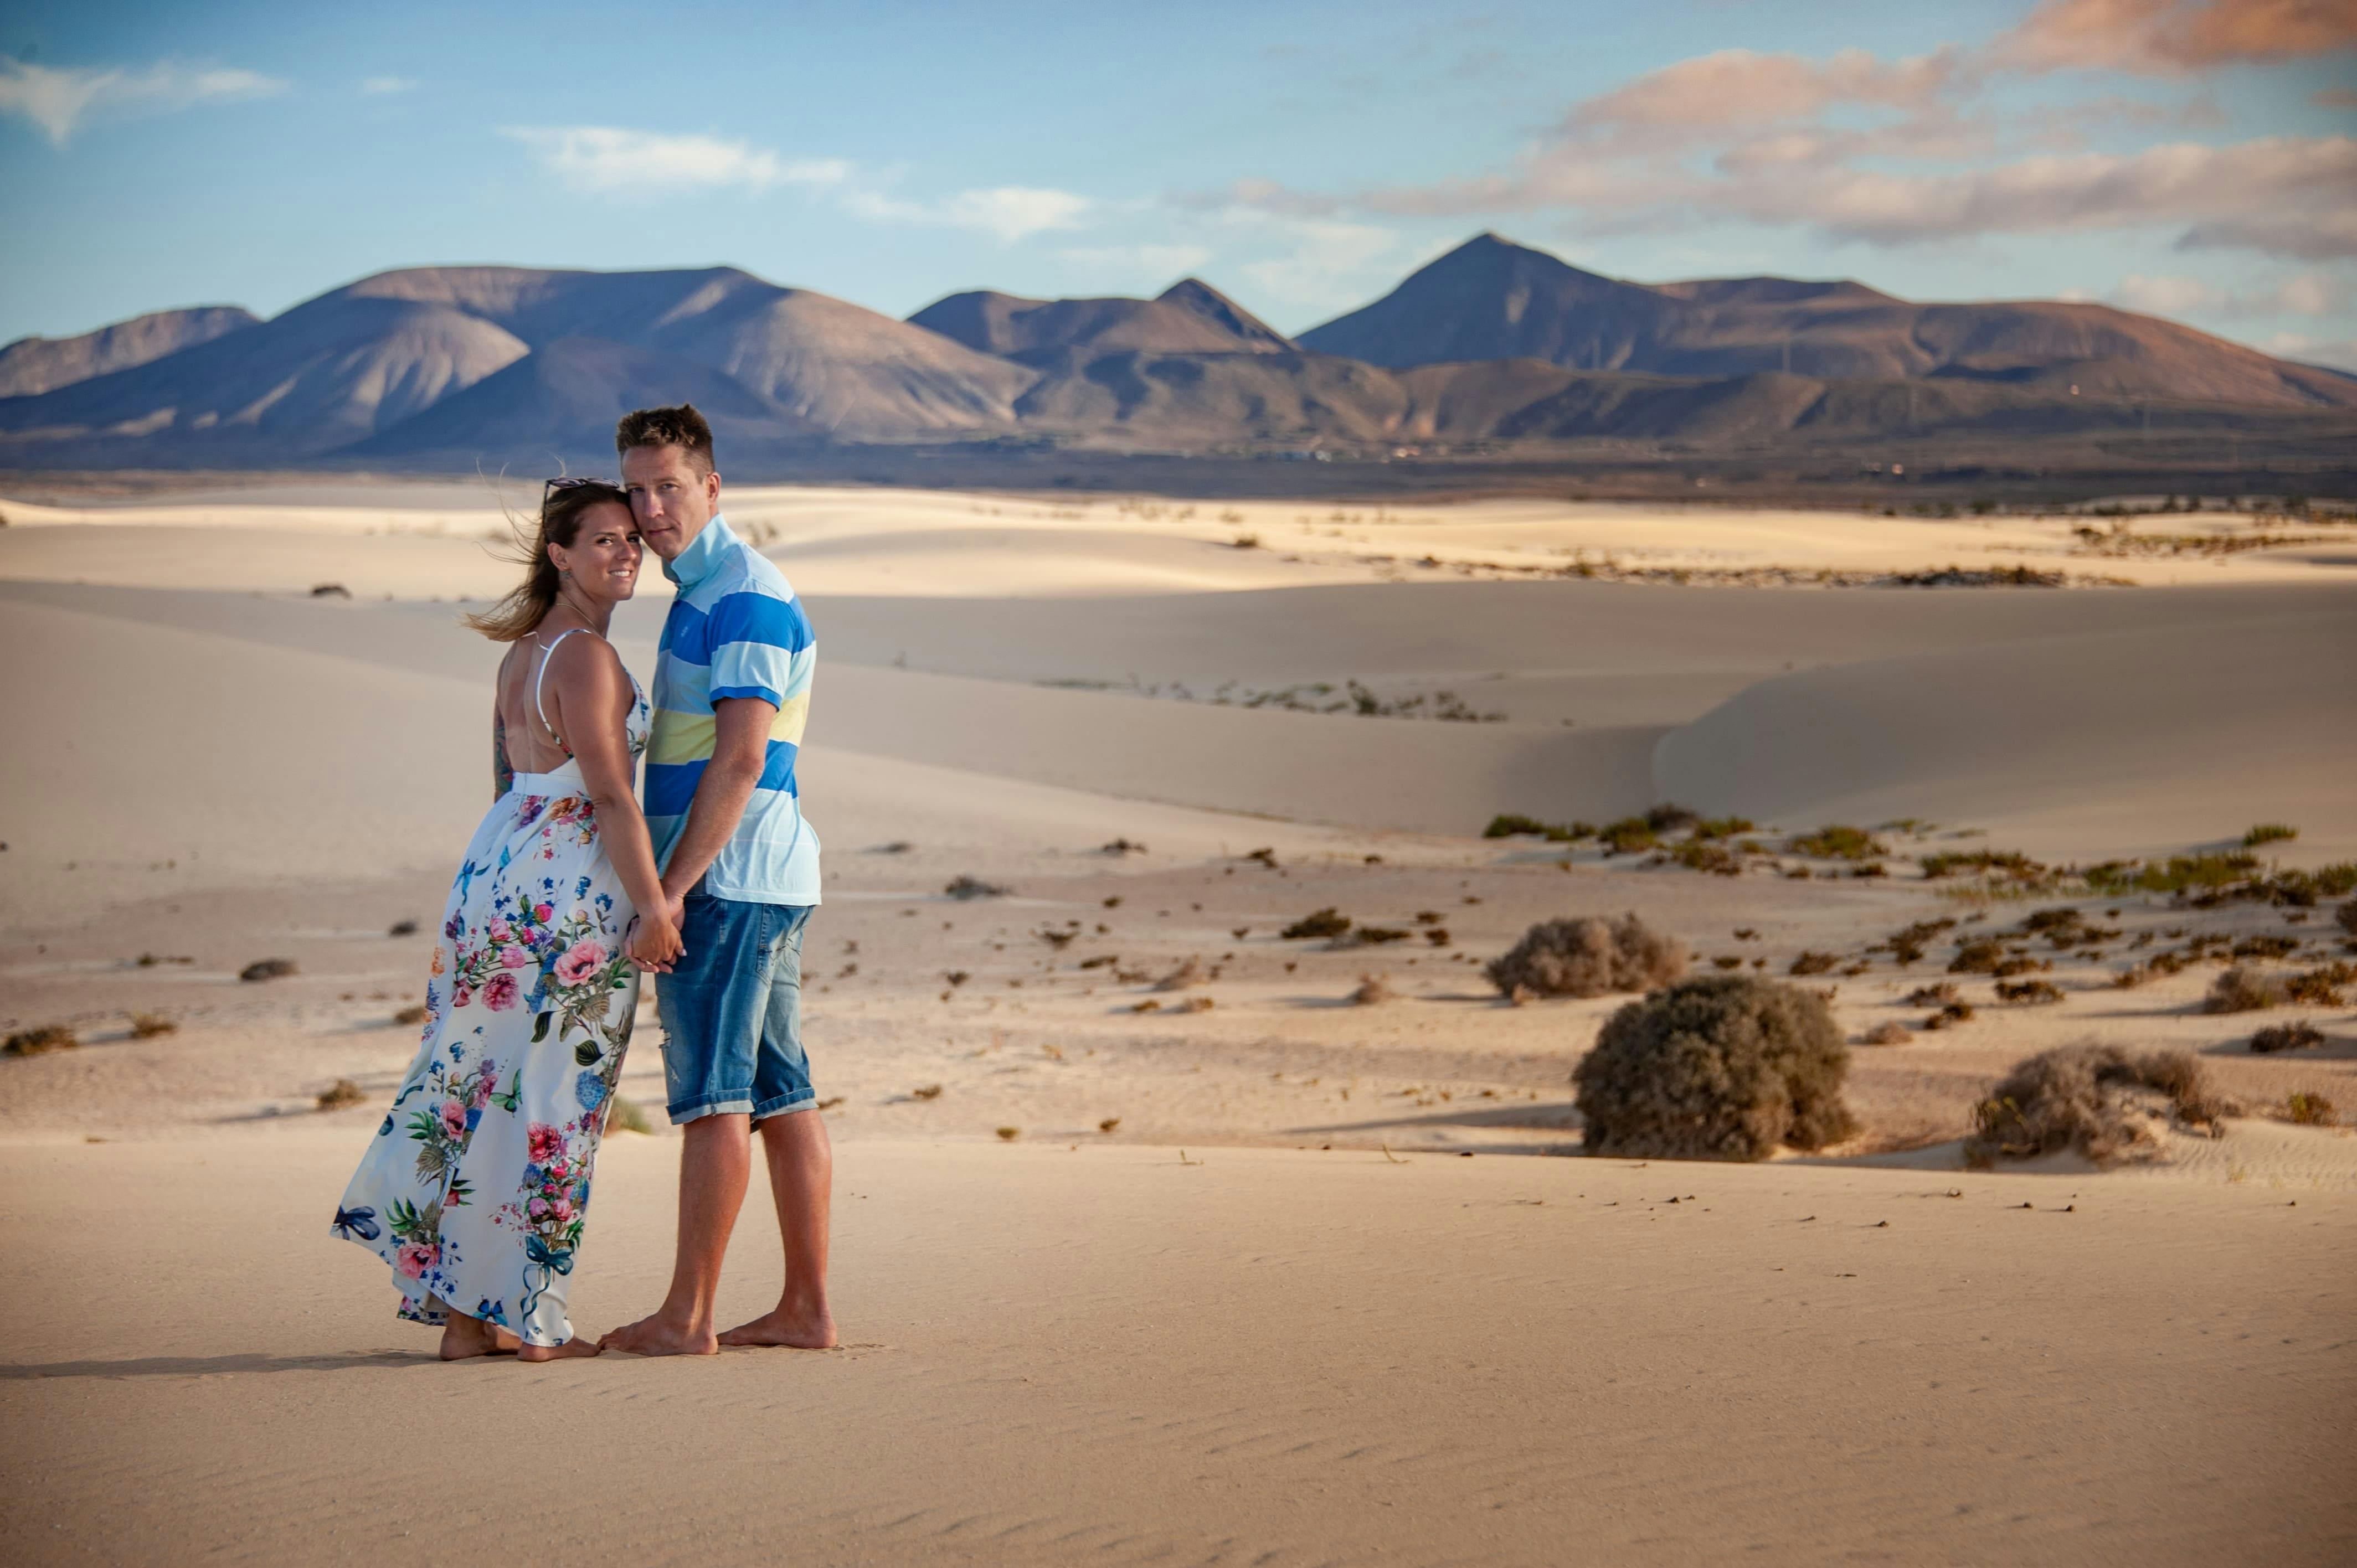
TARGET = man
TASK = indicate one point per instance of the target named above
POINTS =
(740, 869)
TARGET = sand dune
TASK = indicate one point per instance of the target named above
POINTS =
(1321, 1334)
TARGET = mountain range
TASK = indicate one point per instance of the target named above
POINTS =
(1492, 343)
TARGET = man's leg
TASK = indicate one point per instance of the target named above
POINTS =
(802, 1181)
(715, 1162)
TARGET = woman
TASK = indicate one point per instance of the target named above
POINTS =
(477, 1185)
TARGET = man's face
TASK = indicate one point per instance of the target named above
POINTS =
(670, 495)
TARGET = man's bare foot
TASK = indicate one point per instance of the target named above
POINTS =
(657, 1336)
(803, 1328)
(576, 1345)
(464, 1338)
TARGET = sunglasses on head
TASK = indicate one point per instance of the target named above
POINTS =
(558, 487)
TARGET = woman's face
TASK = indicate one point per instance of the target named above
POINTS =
(605, 554)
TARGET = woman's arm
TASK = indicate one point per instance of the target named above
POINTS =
(591, 699)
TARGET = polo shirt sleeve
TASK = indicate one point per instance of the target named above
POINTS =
(754, 640)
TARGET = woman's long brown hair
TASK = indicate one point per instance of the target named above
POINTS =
(515, 617)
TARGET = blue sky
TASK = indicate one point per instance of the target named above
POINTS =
(2196, 158)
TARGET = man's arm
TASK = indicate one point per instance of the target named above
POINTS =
(740, 750)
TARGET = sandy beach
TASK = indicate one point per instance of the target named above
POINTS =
(1231, 1270)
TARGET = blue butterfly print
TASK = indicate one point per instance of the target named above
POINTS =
(360, 1221)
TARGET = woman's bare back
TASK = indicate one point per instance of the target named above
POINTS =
(530, 716)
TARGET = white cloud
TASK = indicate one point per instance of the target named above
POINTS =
(607, 160)
(2341, 354)
(2167, 37)
(384, 86)
(1012, 213)
(1324, 258)
(2302, 294)
(61, 100)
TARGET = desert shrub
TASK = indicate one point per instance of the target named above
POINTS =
(1372, 936)
(2005, 969)
(2268, 832)
(1188, 973)
(1704, 854)
(1588, 957)
(1980, 956)
(2266, 947)
(1723, 827)
(1814, 963)
(2034, 991)
(1720, 1068)
(965, 887)
(42, 1041)
(1931, 995)
(1514, 824)
(1668, 817)
(147, 1026)
(413, 1014)
(2010, 863)
(1949, 1015)
(1628, 836)
(267, 969)
(624, 1114)
(1373, 989)
(1325, 922)
(2299, 1034)
(2321, 987)
(340, 1093)
(2241, 990)
(2178, 873)
(1893, 1033)
(1835, 842)
(2346, 917)
(2097, 1100)
(2308, 1110)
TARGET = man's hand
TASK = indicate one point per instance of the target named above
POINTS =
(654, 944)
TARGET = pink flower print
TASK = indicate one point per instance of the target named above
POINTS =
(544, 1143)
(501, 931)
(542, 911)
(581, 960)
(537, 1208)
(514, 957)
(413, 1258)
(454, 1117)
(562, 1208)
(501, 992)
(461, 993)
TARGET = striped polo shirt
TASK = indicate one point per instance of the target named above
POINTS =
(735, 630)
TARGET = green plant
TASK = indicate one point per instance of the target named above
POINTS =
(2268, 832)
(2002, 863)
(1722, 827)
(1588, 957)
(1721, 1068)
(1703, 854)
(1835, 842)
(1628, 836)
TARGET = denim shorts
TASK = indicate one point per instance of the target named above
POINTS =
(732, 1010)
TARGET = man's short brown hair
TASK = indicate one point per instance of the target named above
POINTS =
(682, 427)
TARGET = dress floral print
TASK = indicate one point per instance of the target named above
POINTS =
(477, 1185)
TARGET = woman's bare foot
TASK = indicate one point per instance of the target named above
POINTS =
(576, 1345)
(802, 1327)
(658, 1335)
(464, 1338)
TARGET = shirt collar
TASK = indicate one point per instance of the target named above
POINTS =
(705, 552)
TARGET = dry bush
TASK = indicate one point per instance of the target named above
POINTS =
(2308, 1110)
(2321, 987)
(1720, 1068)
(1588, 957)
(147, 1026)
(1189, 972)
(267, 969)
(1931, 995)
(340, 1093)
(1372, 989)
(2347, 917)
(1326, 922)
(1981, 955)
(42, 1041)
(1949, 1016)
(1195, 1005)
(965, 887)
(1814, 963)
(413, 1014)
(2031, 990)
(1893, 1033)
(2299, 1034)
(2097, 1100)
(2241, 990)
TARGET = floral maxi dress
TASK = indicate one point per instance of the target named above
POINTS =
(477, 1184)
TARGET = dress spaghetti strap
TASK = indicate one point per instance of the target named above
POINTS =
(541, 675)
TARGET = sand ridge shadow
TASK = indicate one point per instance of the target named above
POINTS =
(216, 1365)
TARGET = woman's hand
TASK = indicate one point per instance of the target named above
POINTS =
(655, 946)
